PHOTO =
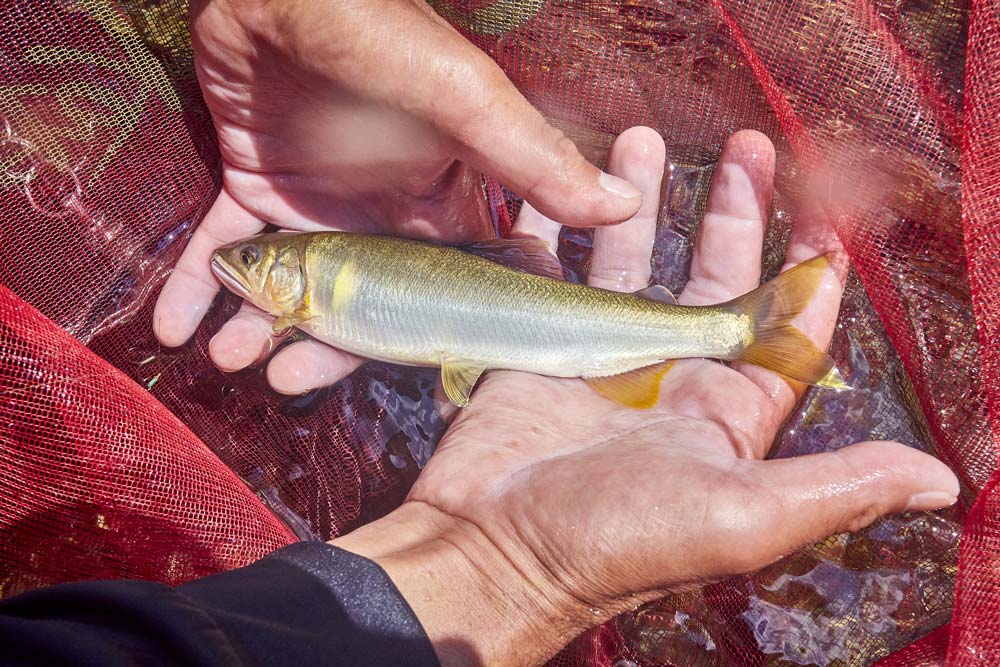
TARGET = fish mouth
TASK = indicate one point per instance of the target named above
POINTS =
(232, 279)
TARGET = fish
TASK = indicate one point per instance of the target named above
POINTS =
(503, 304)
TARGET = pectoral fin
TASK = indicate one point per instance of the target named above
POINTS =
(529, 254)
(639, 389)
(294, 318)
(459, 376)
(657, 293)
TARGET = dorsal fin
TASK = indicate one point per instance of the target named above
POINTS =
(657, 293)
(527, 254)
(639, 389)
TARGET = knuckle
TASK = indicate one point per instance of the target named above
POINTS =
(465, 111)
(740, 516)
(863, 517)
(621, 278)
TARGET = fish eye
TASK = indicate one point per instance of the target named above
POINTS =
(249, 255)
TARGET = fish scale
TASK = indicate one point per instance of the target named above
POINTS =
(466, 310)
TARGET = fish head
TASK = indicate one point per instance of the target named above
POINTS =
(264, 270)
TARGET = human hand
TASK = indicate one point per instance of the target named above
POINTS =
(364, 115)
(547, 508)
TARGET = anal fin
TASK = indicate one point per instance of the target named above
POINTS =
(459, 376)
(639, 389)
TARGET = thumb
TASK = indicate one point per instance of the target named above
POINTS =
(501, 134)
(444, 79)
(844, 491)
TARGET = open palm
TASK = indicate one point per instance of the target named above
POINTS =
(612, 506)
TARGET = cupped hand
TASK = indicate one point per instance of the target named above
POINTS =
(595, 508)
(366, 115)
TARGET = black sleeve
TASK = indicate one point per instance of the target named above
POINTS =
(306, 604)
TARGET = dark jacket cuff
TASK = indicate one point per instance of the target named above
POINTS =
(333, 604)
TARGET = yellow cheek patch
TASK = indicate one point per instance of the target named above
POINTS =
(343, 286)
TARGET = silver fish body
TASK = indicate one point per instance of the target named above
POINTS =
(427, 305)
(416, 304)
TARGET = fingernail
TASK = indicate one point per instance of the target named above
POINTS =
(618, 187)
(930, 500)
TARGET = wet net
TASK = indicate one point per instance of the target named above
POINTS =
(122, 459)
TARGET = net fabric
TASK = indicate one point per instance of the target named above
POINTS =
(89, 114)
(93, 487)
(974, 628)
(881, 114)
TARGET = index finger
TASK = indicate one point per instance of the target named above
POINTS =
(622, 252)
(191, 287)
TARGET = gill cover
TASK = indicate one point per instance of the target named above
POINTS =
(285, 283)
(266, 271)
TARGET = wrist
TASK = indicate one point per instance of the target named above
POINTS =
(476, 605)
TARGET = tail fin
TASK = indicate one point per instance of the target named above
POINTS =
(776, 344)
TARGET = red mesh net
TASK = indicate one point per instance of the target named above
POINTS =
(97, 484)
(126, 459)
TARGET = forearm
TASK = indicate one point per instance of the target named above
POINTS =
(477, 606)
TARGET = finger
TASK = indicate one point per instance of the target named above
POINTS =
(308, 365)
(189, 291)
(802, 500)
(244, 340)
(532, 223)
(500, 133)
(727, 253)
(620, 260)
(812, 235)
